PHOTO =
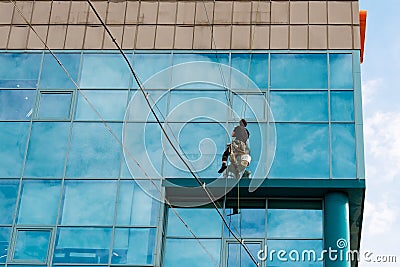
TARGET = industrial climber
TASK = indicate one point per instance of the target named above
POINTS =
(238, 146)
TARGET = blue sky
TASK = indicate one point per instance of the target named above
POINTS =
(380, 70)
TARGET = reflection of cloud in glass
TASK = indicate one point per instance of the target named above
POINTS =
(39, 202)
(89, 203)
(294, 223)
(191, 253)
(197, 219)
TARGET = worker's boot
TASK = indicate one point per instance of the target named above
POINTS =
(223, 167)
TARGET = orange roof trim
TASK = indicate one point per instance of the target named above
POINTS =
(363, 25)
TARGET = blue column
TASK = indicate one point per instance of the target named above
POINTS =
(337, 229)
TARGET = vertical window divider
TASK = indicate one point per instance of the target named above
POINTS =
(329, 117)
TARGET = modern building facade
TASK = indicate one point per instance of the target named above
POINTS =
(88, 178)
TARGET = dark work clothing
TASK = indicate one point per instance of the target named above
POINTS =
(241, 133)
(227, 152)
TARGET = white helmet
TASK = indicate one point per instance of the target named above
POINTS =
(245, 160)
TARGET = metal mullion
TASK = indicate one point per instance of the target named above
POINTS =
(329, 117)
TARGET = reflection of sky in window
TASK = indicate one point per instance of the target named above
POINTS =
(19, 70)
(105, 71)
(47, 162)
(255, 66)
(53, 76)
(294, 223)
(16, 105)
(214, 57)
(341, 71)
(13, 136)
(343, 151)
(238, 256)
(81, 240)
(146, 65)
(203, 104)
(299, 106)
(135, 207)
(111, 105)
(342, 106)
(8, 197)
(299, 71)
(54, 105)
(199, 142)
(4, 240)
(196, 219)
(128, 250)
(89, 203)
(93, 151)
(191, 253)
(301, 151)
(39, 202)
(248, 223)
(32, 245)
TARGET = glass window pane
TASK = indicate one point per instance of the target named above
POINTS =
(111, 105)
(196, 219)
(342, 106)
(16, 104)
(105, 71)
(158, 100)
(13, 137)
(186, 105)
(8, 198)
(193, 57)
(255, 66)
(82, 245)
(4, 241)
(249, 106)
(53, 76)
(294, 223)
(127, 249)
(39, 202)
(96, 198)
(41, 162)
(343, 151)
(191, 253)
(301, 151)
(54, 105)
(248, 223)
(94, 152)
(146, 65)
(144, 141)
(32, 245)
(202, 144)
(135, 207)
(19, 70)
(299, 71)
(299, 253)
(341, 71)
(299, 106)
(238, 256)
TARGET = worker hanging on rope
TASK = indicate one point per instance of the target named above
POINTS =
(238, 146)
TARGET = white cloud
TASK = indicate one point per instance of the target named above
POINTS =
(369, 88)
(382, 147)
(380, 218)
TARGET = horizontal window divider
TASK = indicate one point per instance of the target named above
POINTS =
(96, 121)
(295, 238)
(134, 227)
(301, 122)
(192, 238)
(60, 226)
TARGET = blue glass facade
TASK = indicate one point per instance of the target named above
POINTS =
(67, 194)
